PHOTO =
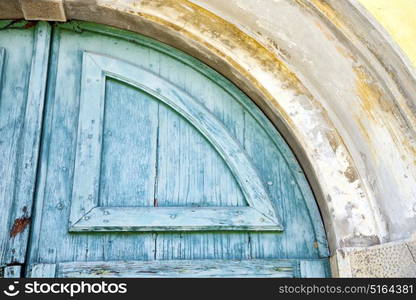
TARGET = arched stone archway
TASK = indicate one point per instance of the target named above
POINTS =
(324, 72)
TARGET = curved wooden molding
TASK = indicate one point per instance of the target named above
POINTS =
(85, 213)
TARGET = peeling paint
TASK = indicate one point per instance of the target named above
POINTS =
(19, 226)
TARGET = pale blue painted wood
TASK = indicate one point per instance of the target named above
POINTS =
(25, 58)
(172, 268)
(89, 138)
(266, 150)
(30, 137)
(301, 242)
(2, 57)
(128, 173)
(189, 170)
(172, 219)
(42, 271)
(314, 268)
(53, 243)
(88, 155)
(236, 95)
(12, 272)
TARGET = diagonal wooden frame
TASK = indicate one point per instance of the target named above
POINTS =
(86, 215)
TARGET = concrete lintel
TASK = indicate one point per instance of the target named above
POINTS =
(48, 10)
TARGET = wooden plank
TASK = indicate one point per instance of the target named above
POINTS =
(180, 269)
(12, 272)
(42, 271)
(299, 238)
(56, 245)
(174, 219)
(13, 85)
(29, 147)
(222, 83)
(305, 206)
(314, 268)
(191, 173)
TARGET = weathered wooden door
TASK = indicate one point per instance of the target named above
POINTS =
(148, 164)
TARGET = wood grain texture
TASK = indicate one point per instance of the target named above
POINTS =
(129, 147)
(314, 268)
(30, 139)
(12, 272)
(177, 268)
(204, 121)
(172, 219)
(88, 155)
(25, 63)
(2, 57)
(43, 271)
(219, 106)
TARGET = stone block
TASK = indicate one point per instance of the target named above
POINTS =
(48, 10)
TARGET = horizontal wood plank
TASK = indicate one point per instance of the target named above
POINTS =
(178, 269)
(174, 219)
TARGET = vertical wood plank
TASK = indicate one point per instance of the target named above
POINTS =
(30, 139)
(128, 163)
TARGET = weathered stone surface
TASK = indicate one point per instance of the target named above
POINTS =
(48, 10)
(396, 259)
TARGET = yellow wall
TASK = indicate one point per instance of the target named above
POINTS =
(399, 18)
